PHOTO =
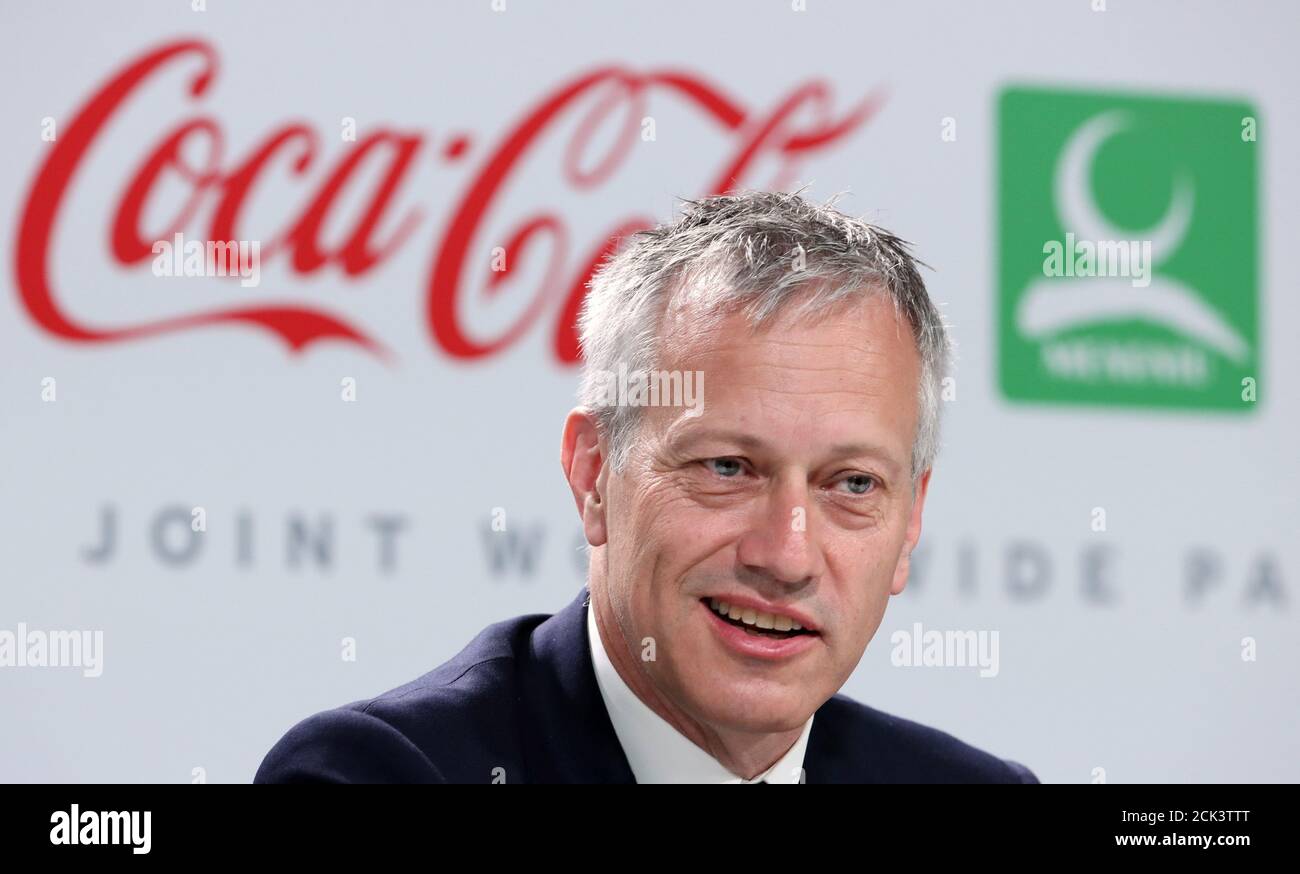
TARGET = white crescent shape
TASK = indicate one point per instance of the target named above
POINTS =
(1077, 211)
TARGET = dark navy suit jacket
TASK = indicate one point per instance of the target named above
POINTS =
(520, 704)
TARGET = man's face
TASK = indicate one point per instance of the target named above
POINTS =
(791, 491)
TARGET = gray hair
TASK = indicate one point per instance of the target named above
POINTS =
(756, 251)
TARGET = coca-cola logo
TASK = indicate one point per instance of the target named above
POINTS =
(218, 188)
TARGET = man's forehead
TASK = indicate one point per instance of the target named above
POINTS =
(836, 361)
(869, 324)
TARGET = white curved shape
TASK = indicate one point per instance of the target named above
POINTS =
(1077, 211)
(1053, 305)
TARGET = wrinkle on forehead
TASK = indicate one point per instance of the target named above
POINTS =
(687, 335)
(689, 309)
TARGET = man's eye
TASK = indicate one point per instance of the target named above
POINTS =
(724, 467)
(859, 484)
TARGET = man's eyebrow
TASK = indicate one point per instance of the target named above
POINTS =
(752, 442)
(739, 438)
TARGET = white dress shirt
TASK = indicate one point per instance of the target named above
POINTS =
(659, 753)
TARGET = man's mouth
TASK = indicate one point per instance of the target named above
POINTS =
(755, 622)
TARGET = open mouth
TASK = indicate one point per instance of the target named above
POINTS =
(755, 623)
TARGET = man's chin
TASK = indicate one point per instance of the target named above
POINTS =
(762, 712)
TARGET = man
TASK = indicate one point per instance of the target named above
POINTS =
(744, 538)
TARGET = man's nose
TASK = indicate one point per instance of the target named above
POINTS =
(781, 541)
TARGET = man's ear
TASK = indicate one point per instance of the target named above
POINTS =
(583, 460)
(913, 535)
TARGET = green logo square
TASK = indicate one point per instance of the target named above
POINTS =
(1128, 250)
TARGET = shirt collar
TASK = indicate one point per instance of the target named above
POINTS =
(659, 753)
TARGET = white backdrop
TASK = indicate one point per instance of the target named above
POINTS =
(215, 643)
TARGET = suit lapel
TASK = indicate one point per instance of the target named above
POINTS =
(568, 736)
(837, 751)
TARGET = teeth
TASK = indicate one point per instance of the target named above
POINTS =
(757, 618)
